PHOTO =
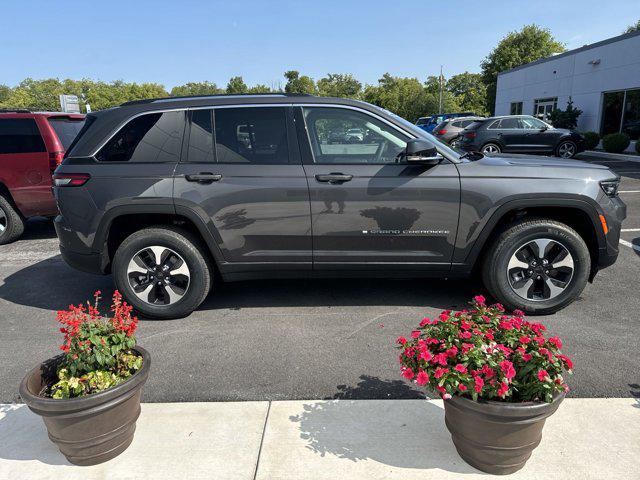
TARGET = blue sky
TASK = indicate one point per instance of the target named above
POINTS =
(173, 42)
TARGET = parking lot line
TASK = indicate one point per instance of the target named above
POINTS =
(630, 230)
(630, 245)
(629, 191)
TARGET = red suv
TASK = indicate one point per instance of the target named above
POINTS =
(31, 147)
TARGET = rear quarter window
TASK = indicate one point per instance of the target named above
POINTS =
(20, 135)
(151, 138)
(66, 129)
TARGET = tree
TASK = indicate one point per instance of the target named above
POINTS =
(633, 28)
(470, 92)
(5, 91)
(517, 48)
(236, 85)
(260, 88)
(449, 101)
(339, 85)
(196, 88)
(299, 84)
(406, 97)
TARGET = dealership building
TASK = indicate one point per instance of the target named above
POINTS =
(602, 79)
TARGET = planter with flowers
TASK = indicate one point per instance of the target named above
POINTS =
(500, 378)
(89, 396)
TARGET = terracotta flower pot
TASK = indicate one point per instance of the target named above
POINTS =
(92, 429)
(497, 437)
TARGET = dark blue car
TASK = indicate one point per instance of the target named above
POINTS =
(429, 123)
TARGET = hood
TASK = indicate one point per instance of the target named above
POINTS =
(538, 161)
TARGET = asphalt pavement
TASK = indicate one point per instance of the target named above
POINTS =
(311, 339)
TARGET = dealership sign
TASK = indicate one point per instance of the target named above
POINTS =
(69, 103)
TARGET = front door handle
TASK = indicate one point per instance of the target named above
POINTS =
(203, 177)
(334, 177)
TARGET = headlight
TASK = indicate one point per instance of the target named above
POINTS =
(610, 187)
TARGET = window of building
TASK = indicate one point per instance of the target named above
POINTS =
(631, 119)
(20, 135)
(344, 136)
(543, 107)
(251, 135)
(516, 108)
(153, 137)
(621, 113)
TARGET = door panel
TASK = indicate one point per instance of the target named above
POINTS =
(375, 212)
(255, 205)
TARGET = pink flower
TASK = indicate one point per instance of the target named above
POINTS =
(547, 353)
(499, 307)
(408, 373)
(566, 361)
(422, 378)
(460, 368)
(401, 340)
(486, 318)
(507, 368)
(543, 375)
(479, 383)
(451, 352)
(425, 355)
(465, 335)
(440, 372)
(524, 339)
(462, 387)
(441, 358)
(555, 341)
(444, 316)
(518, 313)
(504, 388)
(464, 325)
(446, 396)
(488, 371)
(526, 357)
(466, 347)
(425, 321)
(479, 300)
(410, 352)
(415, 334)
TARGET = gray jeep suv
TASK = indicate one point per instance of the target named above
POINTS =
(168, 194)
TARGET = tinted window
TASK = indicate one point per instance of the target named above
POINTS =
(66, 129)
(153, 137)
(331, 143)
(532, 124)
(509, 123)
(20, 135)
(251, 135)
(465, 123)
(201, 137)
(495, 125)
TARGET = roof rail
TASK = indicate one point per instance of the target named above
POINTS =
(217, 95)
(14, 110)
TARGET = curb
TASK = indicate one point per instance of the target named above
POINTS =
(612, 156)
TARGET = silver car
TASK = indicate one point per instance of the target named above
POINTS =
(450, 129)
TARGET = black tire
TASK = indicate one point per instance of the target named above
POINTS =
(183, 243)
(569, 144)
(12, 222)
(491, 145)
(510, 240)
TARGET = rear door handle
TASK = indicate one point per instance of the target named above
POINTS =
(203, 177)
(334, 177)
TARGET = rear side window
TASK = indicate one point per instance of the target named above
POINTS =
(66, 129)
(251, 135)
(153, 137)
(20, 135)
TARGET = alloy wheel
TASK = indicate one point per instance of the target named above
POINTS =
(158, 275)
(540, 269)
(566, 150)
(489, 149)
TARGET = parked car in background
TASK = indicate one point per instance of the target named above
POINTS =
(449, 130)
(161, 194)
(354, 135)
(32, 145)
(429, 123)
(520, 134)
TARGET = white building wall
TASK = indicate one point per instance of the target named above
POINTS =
(572, 75)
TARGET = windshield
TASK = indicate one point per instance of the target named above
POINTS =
(418, 132)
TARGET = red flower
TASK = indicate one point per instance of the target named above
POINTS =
(440, 372)
(462, 388)
(441, 359)
(479, 383)
(488, 371)
(507, 368)
(543, 375)
(466, 347)
(524, 339)
(566, 360)
(465, 335)
(506, 325)
(408, 373)
(504, 388)
(460, 368)
(415, 334)
(401, 340)
(425, 321)
(422, 378)
(464, 325)
(425, 355)
(452, 352)
(479, 300)
(555, 341)
(526, 357)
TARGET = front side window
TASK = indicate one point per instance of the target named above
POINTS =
(532, 124)
(333, 137)
(251, 135)
(152, 137)
(20, 135)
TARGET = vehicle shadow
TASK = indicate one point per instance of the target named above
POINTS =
(402, 434)
(52, 285)
(38, 228)
(23, 436)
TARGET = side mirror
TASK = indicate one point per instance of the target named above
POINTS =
(544, 129)
(423, 152)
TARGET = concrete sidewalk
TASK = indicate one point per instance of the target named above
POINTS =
(337, 439)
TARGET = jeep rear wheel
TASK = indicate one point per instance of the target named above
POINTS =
(538, 266)
(162, 272)
(11, 223)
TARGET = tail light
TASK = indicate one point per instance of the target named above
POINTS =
(70, 179)
(55, 159)
(470, 135)
(442, 131)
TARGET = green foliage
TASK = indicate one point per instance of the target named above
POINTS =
(615, 142)
(517, 48)
(406, 97)
(591, 140)
(236, 86)
(339, 85)
(470, 91)
(567, 118)
(633, 28)
(299, 84)
(196, 88)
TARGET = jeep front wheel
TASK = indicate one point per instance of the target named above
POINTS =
(538, 266)
(162, 272)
